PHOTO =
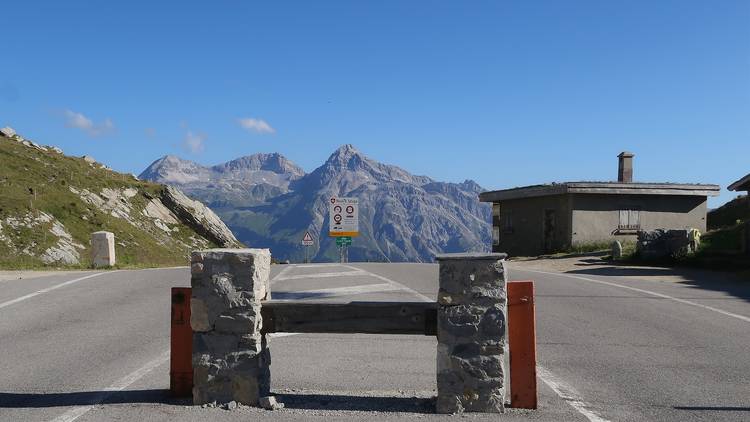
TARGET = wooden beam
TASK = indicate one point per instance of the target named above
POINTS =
(352, 317)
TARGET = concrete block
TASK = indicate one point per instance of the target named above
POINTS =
(103, 249)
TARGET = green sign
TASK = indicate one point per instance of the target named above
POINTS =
(343, 241)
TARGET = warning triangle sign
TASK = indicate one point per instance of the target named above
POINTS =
(307, 237)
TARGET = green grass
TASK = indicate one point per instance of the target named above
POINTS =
(588, 247)
(32, 181)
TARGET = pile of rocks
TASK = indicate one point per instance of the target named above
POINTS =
(662, 243)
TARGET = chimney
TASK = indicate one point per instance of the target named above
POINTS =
(625, 168)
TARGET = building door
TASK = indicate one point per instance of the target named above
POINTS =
(550, 223)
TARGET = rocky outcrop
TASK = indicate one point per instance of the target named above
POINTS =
(198, 217)
(50, 204)
(7, 132)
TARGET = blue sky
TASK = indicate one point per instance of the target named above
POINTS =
(505, 93)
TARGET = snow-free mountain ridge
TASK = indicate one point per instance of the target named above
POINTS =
(268, 201)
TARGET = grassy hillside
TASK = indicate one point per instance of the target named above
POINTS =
(51, 202)
(730, 213)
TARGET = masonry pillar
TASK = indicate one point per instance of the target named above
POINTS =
(230, 356)
(471, 333)
(102, 249)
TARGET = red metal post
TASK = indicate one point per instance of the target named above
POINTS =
(522, 344)
(181, 344)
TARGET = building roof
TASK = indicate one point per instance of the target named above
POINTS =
(607, 188)
(742, 184)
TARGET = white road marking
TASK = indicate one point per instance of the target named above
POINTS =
(394, 283)
(119, 385)
(569, 394)
(180, 267)
(282, 272)
(49, 289)
(321, 275)
(648, 292)
(274, 335)
(348, 290)
(316, 265)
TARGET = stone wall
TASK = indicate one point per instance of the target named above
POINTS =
(471, 333)
(231, 358)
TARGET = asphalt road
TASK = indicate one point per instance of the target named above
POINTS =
(94, 347)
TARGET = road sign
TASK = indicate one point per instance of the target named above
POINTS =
(307, 240)
(343, 217)
(343, 241)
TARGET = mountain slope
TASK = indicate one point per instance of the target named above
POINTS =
(51, 203)
(403, 217)
(243, 182)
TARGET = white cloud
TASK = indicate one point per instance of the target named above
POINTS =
(193, 142)
(252, 124)
(79, 121)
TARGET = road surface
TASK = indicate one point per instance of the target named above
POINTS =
(93, 346)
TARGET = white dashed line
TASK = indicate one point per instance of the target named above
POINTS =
(345, 291)
(49, 289)
(394, 283)
(321, 275)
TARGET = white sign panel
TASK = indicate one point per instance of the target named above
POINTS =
(343, 217)
(307, 239)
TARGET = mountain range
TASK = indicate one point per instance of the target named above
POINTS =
(268, 201)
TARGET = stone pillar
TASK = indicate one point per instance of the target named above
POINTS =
(102, 249)
(230, 357)
(471, 333)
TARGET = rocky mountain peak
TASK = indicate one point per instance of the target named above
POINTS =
(172, 169)
(346, 156)
(273, 162)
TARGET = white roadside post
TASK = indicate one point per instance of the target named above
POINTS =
(102, 249)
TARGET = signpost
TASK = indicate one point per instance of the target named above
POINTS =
(343, 223)
(307, 241)
(343, 241)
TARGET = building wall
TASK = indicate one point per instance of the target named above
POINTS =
(527, 237)
(595, 218)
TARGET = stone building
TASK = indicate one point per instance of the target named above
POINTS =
(533, 220)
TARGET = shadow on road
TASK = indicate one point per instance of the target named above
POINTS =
(358, 403)
(699, 279)
(87, 398)
(299, 295)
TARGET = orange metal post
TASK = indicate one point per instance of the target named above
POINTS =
(522, 344)
(181, 351)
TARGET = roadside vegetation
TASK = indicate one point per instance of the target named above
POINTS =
(37, 204)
